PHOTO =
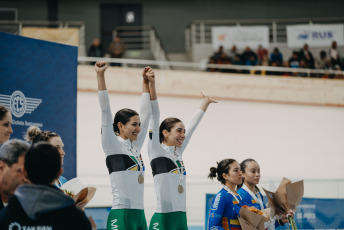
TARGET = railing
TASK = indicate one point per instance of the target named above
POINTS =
(143, 37)
(199, 66)
(15, 27)
(199, 31)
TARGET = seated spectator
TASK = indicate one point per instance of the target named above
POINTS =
(276, 57)
(233, 52)
(302, 65)
(237, 61)
(40, 205)
(249, 57)
(320, 63)
(220, 54)
(12, 155)
(307, 56)
(211, 61)
(264, 61)
(261, 52)
(117, 49)
(335, 56)
(293, 61)
(96, 49)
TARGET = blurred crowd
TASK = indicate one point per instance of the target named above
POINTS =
(303, 58)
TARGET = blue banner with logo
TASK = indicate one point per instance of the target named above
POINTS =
(311, 213)
(38, 82)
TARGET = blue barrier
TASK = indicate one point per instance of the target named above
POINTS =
(38, 82)
(311, 213)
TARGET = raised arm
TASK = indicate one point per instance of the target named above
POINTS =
(100, 68)
(194, 121)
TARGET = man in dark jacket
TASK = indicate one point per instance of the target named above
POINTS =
(40, 205)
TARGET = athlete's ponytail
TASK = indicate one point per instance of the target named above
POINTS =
(222, 167)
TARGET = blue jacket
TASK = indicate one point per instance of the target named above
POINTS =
(224, 211)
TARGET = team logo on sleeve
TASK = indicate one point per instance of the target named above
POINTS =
(19, 104)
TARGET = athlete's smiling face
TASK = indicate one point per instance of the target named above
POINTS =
(252, 173)
(5, 128)
(176, 136)
(131, 129)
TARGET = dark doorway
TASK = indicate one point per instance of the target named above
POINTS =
(113, 15)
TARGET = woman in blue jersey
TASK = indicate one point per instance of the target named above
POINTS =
(165, 150)
(226, 205)
(122, 139)
(34, 135)
(249, 191)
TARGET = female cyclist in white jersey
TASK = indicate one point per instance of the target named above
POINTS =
(122, 139)
(165, 149)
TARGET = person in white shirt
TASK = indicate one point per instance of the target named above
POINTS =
(165, 149)
(122, 139)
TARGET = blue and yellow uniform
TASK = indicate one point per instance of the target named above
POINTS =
(248, 200)
(224, 212)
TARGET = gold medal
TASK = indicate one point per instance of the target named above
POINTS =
(180, 189)
(141, 179)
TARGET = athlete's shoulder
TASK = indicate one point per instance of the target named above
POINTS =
(242, 192)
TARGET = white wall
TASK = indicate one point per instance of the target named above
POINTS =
(295, 141)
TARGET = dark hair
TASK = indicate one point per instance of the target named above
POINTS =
(243, 166)
(34, 134)
(11, 150)
(167, 124)
(42, 163)
(123, 116)
(222, 167)
(3, 111)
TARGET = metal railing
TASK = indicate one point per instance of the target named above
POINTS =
(199, 66)
(15, 27)
(199, 32)
(143, 37)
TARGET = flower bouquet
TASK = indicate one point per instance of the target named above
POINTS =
(252, 218)
(78, 192)
(287, 197)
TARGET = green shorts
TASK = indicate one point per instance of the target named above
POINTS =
(126, 219)
(169, 221)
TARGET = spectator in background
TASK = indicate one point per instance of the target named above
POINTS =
(117, 49)
(237, 61)
(96, 49)
(276, 57)
(40, 205)
(264, 61)
(220, 54)
(335, 55)
(261, 52)
(307, 56)
(233, 52)
(249, 57)
(293, 61)
(320, 63)
(12, 155)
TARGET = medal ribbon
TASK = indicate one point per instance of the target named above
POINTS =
(180, 169)
(257, 198)
(232, 193)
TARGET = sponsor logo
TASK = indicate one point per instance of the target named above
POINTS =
(113, 224)
(216, 202)
(155, 226)
(19, 104)
(315, 35)
(17, 226)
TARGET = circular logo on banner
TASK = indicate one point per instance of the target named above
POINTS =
(18, 103)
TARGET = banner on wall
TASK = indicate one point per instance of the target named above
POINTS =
(241, 36)
(315, 35)
(38, 83)
(317, 214)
